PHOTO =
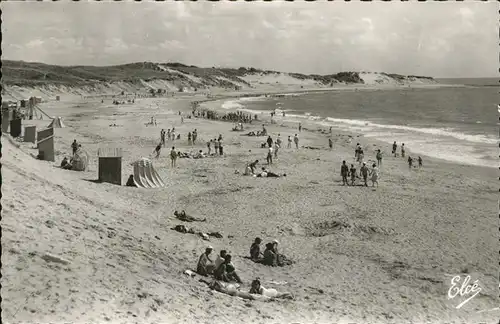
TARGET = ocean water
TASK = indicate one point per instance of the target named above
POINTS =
(457, 124)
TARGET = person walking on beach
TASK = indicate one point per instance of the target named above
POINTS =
(410, 162)
(356, 152)
(403, 150)
(374, 175)
(379, 157)
(419, 162)
(209, 147)
(168, 134)
(394, 148)
(300, 127)
(269, 141)
(173, 157)
(269, 157)
(189, 139)
(330, 143)
(352, 172)
(276, 148)
(216, 146)
(364, 173)
(289, 142)
(158, 150)
(296, 141)
(278, 140)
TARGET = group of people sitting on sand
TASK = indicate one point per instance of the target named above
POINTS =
(221, 268)
(237, 116)
(270, 257)
(251, 169)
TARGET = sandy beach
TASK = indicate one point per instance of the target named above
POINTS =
(399, 244)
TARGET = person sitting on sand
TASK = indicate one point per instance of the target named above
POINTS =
(205, 265)
(255, 249)
(374, 175)
(270, 258)
(248, 170)
(130, 181)
(419, 162)
(173, 157)
(253, 165)
(364, 172)
(344, 172)
(258, 289)
(74, 147)
(226, 271)
(352, 172)
(186, 218)
(65, 164)
(221, 258)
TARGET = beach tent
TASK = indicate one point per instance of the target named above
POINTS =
(145, 176)
(56, 123)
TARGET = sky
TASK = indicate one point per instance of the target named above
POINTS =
(444, 39)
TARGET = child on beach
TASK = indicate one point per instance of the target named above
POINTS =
(173, 157)
(374, 175)
(289, 142)
(344, 172)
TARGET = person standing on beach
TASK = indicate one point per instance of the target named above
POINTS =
(296, 140)
(300, 127)
(162, 137)
(330, 143)
(289, 142)
(410, 162)
(364, 173)
(330, 129)
(168, 134)
(374, 175)
(419, 162)
(172, 133)
(221, 148)
(276, 148)
(394, 148)
(269, 141)
(269, 157)
(173, 157)
(189, 139)
(352, 172)
(379, 157)
(278, 140)
(216, 146)
(403, 150)
(344, 172)
(195, 136)
(209, 147)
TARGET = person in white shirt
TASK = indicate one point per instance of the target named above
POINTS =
(269, 157)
